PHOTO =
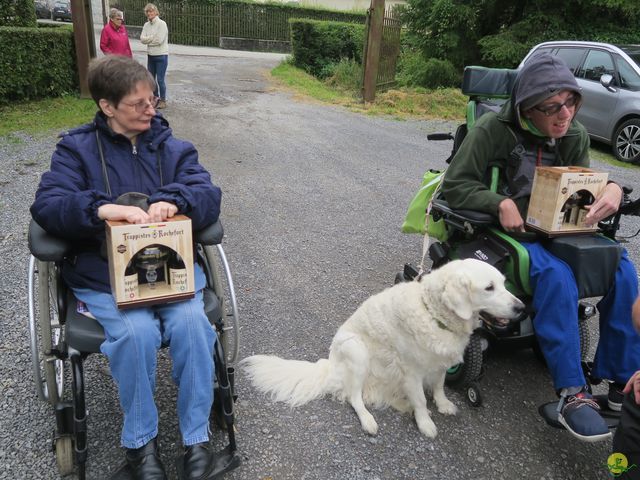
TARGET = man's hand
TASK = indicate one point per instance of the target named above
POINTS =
(633, 385)
(161, 211)
(606, 204)
(112, 211)
(509, 216)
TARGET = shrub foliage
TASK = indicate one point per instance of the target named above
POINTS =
(41, 62)
(318, 46)
(17, 13)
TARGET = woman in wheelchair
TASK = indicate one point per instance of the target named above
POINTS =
(537, 127)
(130, 148)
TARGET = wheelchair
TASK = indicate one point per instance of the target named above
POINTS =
(473, 234)
(61, 339)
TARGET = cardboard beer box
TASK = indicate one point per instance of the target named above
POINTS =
(150, 263)
(558, 198)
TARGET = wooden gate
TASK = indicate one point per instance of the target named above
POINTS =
(381, 49)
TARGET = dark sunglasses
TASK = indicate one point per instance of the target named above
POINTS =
(553, 108)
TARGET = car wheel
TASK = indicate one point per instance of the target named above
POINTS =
(626, 141)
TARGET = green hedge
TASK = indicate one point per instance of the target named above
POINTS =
(17, 13)
(40, 63)
(317, 45)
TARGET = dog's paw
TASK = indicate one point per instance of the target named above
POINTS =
(447, 407)
(369, 423)
(427, 427)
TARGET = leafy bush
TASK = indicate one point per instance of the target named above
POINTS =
(40, 63)
(317, 46)
(414, 70)
(17, 13)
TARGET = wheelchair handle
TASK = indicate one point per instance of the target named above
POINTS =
(440, 136)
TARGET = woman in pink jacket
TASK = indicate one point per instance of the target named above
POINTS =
(114, 39)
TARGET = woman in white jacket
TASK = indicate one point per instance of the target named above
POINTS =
(155, 36)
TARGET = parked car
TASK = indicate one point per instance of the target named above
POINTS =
(61, 11)
(609, 76)
(42, 9)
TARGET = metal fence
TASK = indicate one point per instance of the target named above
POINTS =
(204, 23)
(389, 49)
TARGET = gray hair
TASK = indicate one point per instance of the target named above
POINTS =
(150, 7)
(115, 13)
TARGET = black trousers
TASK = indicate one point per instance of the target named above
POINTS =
(627, 437)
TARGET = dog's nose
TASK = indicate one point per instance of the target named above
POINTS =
(518, 307)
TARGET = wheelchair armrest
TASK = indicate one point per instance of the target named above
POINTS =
(211, 235)
(45, 246)
(475, 218)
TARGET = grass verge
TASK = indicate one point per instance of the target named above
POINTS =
(40, 116)
(447, 104)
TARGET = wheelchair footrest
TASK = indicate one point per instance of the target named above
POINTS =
(549, 411)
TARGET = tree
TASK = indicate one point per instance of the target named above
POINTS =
(500, 32)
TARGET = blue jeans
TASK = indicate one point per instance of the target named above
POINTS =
(133, 337)
(555, 300)
(157, 65)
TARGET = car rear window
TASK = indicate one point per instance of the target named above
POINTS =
(629, 78)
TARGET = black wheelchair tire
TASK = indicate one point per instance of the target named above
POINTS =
(585, 340)
(474, 398)
(470, 370)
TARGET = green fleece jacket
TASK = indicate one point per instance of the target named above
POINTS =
(490, 142)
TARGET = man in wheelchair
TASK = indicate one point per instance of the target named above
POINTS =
(537, 127)
(130, 148)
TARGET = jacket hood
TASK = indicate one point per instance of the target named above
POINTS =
(542, 77)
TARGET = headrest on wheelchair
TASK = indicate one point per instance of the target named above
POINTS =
(488, 82)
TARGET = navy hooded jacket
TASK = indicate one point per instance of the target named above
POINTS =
(70, 193)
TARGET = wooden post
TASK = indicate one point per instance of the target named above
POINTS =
(84, 39)
(372, 51)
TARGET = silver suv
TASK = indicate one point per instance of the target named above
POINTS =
(610, 79)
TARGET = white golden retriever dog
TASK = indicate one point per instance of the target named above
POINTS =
(395, 344)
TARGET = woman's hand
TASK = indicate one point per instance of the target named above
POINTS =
(112, 211)
(634, 385)
(161, 211)
(509, 216)
(606, 204)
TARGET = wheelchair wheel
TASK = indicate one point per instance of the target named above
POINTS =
(45, 330)
(225, 291)
(585, 340)
(470, 370)
(64, 455)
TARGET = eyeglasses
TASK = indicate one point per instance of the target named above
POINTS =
(142, 105)
(553, 108)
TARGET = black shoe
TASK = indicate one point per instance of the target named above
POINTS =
(144, 462)
(615, 396)
(198, 462)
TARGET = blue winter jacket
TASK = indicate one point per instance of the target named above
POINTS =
(69, 195)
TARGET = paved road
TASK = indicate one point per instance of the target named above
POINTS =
(313, 200)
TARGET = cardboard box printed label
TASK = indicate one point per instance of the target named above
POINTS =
(558, 197)
(150, 263)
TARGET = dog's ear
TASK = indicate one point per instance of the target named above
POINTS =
(455, 295)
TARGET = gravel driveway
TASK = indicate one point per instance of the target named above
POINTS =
(313, 200)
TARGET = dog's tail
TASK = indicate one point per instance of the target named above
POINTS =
(294, 382)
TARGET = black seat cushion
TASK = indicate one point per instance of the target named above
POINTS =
(83, 333)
